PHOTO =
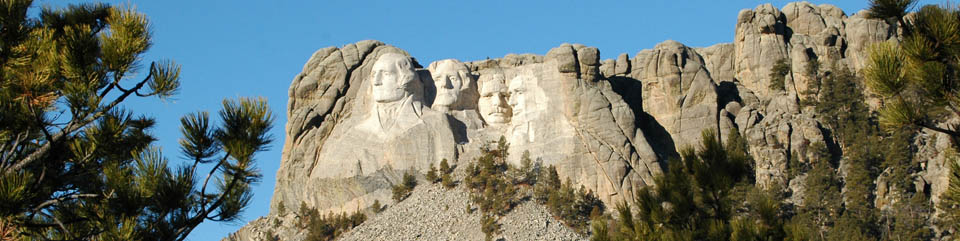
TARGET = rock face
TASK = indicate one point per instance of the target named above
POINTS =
(677, 91)
(363, 114)
(761, 39)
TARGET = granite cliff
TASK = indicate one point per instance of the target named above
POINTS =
(361, 115)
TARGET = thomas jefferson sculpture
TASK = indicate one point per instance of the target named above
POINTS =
(456, 92)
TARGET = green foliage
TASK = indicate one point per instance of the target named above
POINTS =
(601, 229)
(693, 200)
(917, 77)
(493, 188)
(907, 219)
(376, 207)
(447, 181)
(527, 173)
(778, 75)
(270, 236)
(403, 189)
(548, 182)
(329, 227)
(950, 199)
(432, 174)
(496, 186)
(812, 71)
(445, 167)
(489, 226)
(574, 206)
(852, 216)
(845, 113)
(898, 159)
(822, 204)
(76, 165)
(889, 8)
(446, 172)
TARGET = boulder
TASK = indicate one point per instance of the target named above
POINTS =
(759, 42)
(678, 91)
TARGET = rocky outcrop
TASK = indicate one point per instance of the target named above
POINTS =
(718, 59)
(326, 100)
(760, 41)
(677, 91)
(609, 125)
(341, 154)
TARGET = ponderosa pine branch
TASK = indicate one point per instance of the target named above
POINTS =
(204, 209)
(938, 129)
(61, 199)
(13, 148)
(73, 126)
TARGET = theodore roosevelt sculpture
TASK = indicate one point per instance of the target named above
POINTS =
(493, 105)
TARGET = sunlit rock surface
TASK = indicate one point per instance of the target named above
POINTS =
(610, 125)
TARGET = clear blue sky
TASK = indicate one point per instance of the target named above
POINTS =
(230, 49)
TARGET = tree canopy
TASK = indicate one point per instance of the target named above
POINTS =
(75, 164)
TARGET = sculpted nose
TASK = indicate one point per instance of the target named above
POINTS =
(376, 80)
(447, 83)
(498, 101)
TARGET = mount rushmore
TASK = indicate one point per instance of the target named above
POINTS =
(361, 115)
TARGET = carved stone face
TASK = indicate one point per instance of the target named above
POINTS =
(518, 96)
(391, 75)
(493, 99)
(451, 79)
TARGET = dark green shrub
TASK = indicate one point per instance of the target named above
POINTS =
(403, 189)
(432, 176)
(330, 226)
(778, 74)
(489, 226)
(377, 207)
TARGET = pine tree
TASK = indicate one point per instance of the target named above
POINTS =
(692, 200)
(489, 226)
(950, 199)
(822, 202)
(377, 207)
(812, 72)
(528, 174)
(445, 167)
(77, 165)
(402, 190)
(778, 75)
(432, 174)
(917, 78)
(446, 172)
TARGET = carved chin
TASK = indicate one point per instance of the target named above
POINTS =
(386, 96)
(444, 100)
(387, 99)
(497, 118)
